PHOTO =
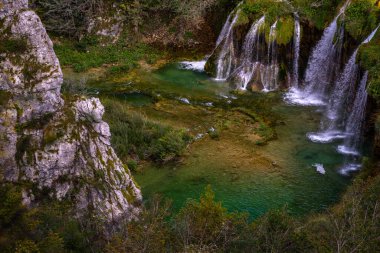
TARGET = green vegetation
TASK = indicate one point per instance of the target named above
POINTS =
(361, 18)
(13, 46)
(319, 13)
(83, 56)
(4, 97)
(48, 227)
(200, 226)
(369, 58)
(133, 134)
(270, 8)
(285, 30)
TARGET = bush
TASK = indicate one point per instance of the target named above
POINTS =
(82, 58)
(369, 58)
(361, 18)
(133, 134)
(206, 226)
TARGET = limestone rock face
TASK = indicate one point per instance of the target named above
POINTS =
(50, 145)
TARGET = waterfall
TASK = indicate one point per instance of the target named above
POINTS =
(323, 62)
(296, 50)
(356, 120)
(269, 75)
(342, 93)
(322, 67)
(335, 119)
(227, 56)
(225, 30)
(249, 58)
(354, 128)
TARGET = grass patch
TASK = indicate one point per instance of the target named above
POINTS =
(133, 134)
(82, 56)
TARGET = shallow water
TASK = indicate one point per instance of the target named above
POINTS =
(291, 171)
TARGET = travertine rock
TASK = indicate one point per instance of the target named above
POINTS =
(63, 148)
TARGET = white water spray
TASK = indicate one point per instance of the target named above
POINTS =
(296, 51)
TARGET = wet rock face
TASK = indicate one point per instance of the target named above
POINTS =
(56, 146)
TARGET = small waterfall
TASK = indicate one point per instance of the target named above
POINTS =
(356, 120)
(296, 53)
(322, 64)
(225, 30)
(269, 76)
(227, 56)
(249, 58)
(322, 67)
(343, 92)
(336, 116)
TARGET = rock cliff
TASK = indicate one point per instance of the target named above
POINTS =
(49, 145)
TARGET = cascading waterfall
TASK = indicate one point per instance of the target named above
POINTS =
(356, 120)
(227, 56)
(296, 53)
(249, 58)
(354, 128)
(343, 92)
(323, 65)
(269, 74)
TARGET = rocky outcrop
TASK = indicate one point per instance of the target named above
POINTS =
(108, 27)
(47, 144)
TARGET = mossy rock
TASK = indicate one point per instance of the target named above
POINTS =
(5, 96)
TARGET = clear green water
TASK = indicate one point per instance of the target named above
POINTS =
(172, 79)
(283, 174)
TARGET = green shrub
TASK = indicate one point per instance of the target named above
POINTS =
(133, 134)
(319, 13)
(361, 18)
(132, 165)
(207, 226)
(369, 59)
(83, 56)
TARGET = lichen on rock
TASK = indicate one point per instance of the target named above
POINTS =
(49, 145)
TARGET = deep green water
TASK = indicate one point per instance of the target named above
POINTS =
(289, 180)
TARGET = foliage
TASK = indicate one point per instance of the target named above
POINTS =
(85, 56)
(200, 226)
(270, 8)
(361, 18)
(369, 58)
(319, 13)
(150, 233)
(48, 227)
(133, 134)
(276, 231)
(67, 17)
(207, 226)
(285, 30)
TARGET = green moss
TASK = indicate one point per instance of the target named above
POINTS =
(5, 96)
(52, 133)
(318, 13)
(285, 30)
(270, 8)
(361, 18)
(121, 57)
(13, 46)
(369, 58)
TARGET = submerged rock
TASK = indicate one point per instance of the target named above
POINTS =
(49, 145)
